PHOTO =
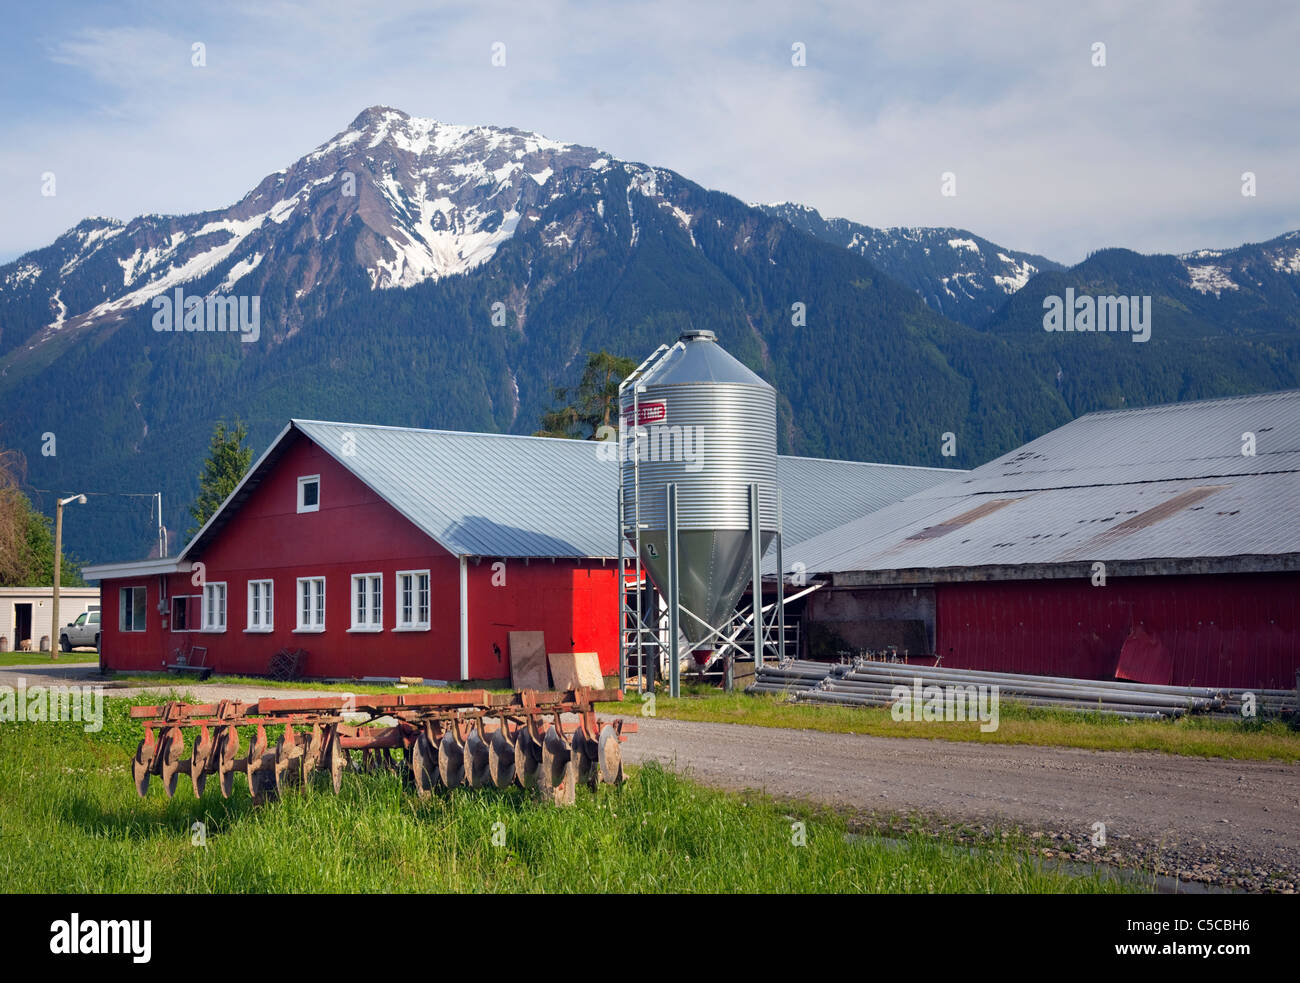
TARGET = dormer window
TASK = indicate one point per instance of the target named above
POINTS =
(309, 493)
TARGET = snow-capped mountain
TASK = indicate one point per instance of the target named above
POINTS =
(1250, 267)
(968, 278)
(395, 198)
(957, 273)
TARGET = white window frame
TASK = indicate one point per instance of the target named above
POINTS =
(207, 623)
(267, 622)
(414, 623)
(315, 607)
(303, 482)
(369, 615)
(122, 594)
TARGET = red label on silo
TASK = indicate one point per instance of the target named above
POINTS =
(648, 413)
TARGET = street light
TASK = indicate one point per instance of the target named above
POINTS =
(58, 559)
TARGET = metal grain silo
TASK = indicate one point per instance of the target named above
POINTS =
(704, 446)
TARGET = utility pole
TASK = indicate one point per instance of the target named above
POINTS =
(162, 530)
(55, 627)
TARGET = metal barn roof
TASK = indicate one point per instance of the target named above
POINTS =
(1160, 489)
(502, 495)
(819, 494)
(485, 494)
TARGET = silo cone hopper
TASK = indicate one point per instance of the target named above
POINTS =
(714, 568)
(698, 443)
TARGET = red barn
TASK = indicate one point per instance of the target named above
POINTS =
(382, 552)
(386, 551)
(1159, 544)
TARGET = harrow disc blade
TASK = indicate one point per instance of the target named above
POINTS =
(559, 775)
(611, 756)
(476, 761)
(140, 767)
(288, 766)
(451, 761)
(228, 752)
(584, 759)
(261, 765)
(424, 766)
(313, 752)
(566, 793)
(338, 762)
(556, 755)
(261, 777)
(199, 767)
(501, 759)
(173, 745)
(257, 750)
(528, 757)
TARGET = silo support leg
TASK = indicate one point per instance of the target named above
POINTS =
(756, 542)
(674, 597)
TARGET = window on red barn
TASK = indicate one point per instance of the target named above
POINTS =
(185, 612)
(413, 599)
(131, 609)
(214, 607)
(309, 493)
(260, 605)
(311, 604)
(367, 602)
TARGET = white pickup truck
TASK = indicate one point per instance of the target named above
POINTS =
(83, 631)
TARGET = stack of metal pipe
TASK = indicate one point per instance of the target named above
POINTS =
(793, 675)
(871, 683)
(1267, 702)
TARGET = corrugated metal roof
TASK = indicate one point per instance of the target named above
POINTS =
(503, 495)
(1163, 482)
(1178, 440)
(485, 494)
(819, 494)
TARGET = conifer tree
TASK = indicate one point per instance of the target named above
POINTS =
(228, 461)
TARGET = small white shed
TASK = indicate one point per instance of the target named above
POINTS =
(25, 612)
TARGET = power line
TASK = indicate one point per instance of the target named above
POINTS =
(50, 491)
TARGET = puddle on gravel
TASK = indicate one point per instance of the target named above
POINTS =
(1157, 883)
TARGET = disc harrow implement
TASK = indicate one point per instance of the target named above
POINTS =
(549, 741)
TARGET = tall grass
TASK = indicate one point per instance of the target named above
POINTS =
(70, 821)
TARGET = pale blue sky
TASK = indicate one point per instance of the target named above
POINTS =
(1051, 154)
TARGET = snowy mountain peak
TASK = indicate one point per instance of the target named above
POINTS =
(373, 115)
(956, 272)
(408, 198)
(1218, 270)
(439, 198)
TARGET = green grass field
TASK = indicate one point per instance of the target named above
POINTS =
(1194, 736)
(70, 821)
(40, 658)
